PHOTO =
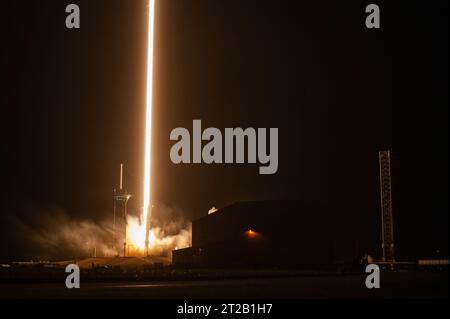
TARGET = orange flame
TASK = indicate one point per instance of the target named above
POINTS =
(136, 230)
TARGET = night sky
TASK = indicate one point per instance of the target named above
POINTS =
(73, 103)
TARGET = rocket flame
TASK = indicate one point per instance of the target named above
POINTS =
(137, 230)
(136, 236)
(148, 117)
(159, 240)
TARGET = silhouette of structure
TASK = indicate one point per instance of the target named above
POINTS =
(272, 233)
(386, 207)
(121, 198)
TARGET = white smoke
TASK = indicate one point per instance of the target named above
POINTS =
(170, 230)
(56, 235)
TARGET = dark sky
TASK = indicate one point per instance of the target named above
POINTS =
(73, 102)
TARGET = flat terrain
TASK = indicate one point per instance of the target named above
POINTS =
(393, 285)
(123, 262)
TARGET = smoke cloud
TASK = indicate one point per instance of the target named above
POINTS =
(170, 230)
(54, 235)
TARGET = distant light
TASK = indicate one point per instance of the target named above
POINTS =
(252, 234)
(212, 210)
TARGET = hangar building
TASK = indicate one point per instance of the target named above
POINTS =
(282, 234)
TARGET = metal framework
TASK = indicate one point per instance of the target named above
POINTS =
(386, 207)
(121, 198)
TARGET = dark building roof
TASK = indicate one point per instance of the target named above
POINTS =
(277, 220)
(264, 233)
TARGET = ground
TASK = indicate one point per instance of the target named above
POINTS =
(403, 285)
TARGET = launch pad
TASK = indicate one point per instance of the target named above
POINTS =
(120, 262)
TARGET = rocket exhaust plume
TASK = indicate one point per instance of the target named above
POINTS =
(140, 238)
(148, 120)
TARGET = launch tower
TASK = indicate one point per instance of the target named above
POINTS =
(386, 206)
(121, 198)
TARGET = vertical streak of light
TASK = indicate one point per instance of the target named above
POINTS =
(148, 117)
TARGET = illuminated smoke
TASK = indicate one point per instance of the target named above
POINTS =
(53, 234)
(169, 231)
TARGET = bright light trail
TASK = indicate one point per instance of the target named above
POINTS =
(148, 117)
